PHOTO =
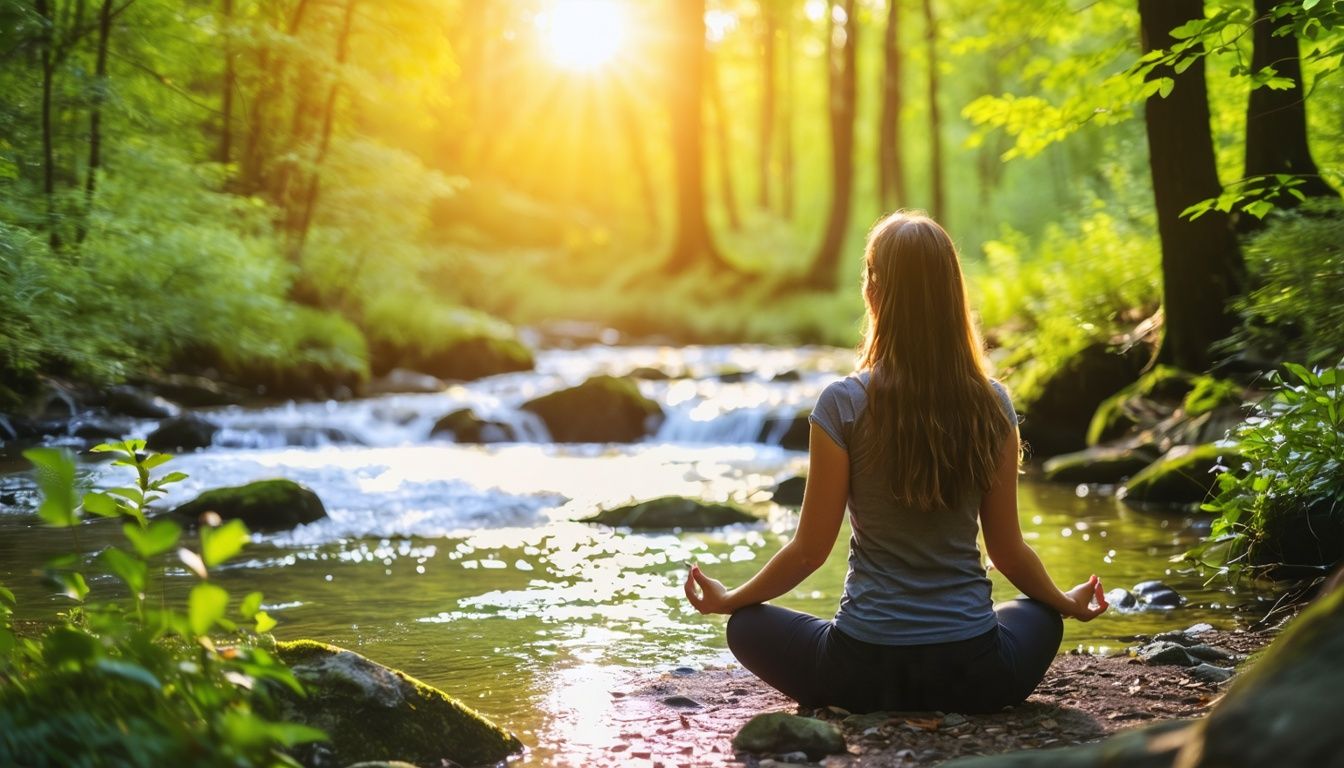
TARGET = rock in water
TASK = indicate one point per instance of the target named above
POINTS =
(183, 433)
(778, 732)
(130, 401)
(464, 426)
(672, 512)
(603, 409)
(374, 713)
(789, 492)
(790, 432)
(265, 505)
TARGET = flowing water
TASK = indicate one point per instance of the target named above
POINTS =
(462, 565)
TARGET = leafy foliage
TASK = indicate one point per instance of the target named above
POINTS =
(141, 684)
(1293, 471)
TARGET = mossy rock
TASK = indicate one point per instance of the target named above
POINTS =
(789, 492)
(788, 432)
(672, 512)
(781, 732)
(464, 360)
(182, 433)
(464, 426)
(1185, 475)
(1103, 464)
(264, 505)
(1055, 418)
(1157, 395)
(375, 713)
(603, 409)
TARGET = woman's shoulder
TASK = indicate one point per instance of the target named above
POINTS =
(852, 388)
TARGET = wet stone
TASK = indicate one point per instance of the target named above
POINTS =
(1208, 673)
(1163, 652)
(682, 702)
(683, 671)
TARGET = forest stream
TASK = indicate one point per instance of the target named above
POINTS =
(461, 564)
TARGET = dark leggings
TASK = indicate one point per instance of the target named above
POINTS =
(810, 660)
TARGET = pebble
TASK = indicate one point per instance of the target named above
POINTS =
(953, 720)
(683, 671)
(683, 702)
(1166, 652)
(1208, 673)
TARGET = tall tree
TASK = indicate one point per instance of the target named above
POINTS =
(840, 76)
(890, 158)
(1276, 120)
(269, 89)
(48, 38)
(1201, 266)
(328, 123)
(722, 142)
(639, 156)
(769, 27)
(786, 165)
(100, 89)
(691, 240)
(938, 191)
(225, 151)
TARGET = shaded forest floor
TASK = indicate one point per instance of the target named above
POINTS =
(673, 720)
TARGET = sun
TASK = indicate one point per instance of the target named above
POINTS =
(582, 35)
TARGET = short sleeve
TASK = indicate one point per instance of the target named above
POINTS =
(1005, 401)
(834, 412)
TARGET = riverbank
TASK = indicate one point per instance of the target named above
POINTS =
(688, 717)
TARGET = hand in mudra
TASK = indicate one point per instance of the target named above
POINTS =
(706, 595)
(1088, 600)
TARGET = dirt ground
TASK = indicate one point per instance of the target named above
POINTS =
(688, 718)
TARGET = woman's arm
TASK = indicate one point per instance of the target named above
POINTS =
(1015, 559)
(824, 499)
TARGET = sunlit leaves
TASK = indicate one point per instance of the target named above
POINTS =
(155, 539)
(55, 475)
(206, 606)
(220, 544)
(132, 571)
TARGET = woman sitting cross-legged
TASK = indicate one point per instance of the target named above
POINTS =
(923, 448)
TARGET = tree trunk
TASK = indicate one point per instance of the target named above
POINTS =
(890, 160)
(96, 115)
(840, 72)
(721, 142)
(270, 69)
(1201, 266)
(786, 168)
(48, 148)
(1276, 121)
(328, 122)
(639, 158)
(769, 28)
(939, 195)
(225, 151)
(692, 242)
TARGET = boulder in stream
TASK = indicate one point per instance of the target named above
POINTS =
(126, 400)
(464, 426)
(603, 409)
(1055, 420)
(182, 433)
(781, 732)
(375, 713)
(669, 512)
(789, 492)
(789, 432)
(1184, 476)
(264, 505)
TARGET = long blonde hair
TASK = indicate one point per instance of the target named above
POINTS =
(933, 418)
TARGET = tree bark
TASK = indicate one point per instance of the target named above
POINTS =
(890, 157)
(840, 72)
(48, 145)
(328, 123)
(1276, 121)
(692, 242)
(96, 115)
(1201, 266)
(721, 142)
(769, 28)
(939, 195)
(639, 158)
(225, 150)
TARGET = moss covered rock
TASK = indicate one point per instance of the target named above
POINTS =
(464, 426)
(780, 732)
(264, 505)
(464, 360)
(1183, 476)
(603, 409)
(672, 512)
(1102, 464)
(1056, 416)
(182, 433)
(375, 713)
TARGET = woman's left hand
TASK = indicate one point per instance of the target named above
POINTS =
(705, 594)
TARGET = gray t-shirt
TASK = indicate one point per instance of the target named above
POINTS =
(915, 577)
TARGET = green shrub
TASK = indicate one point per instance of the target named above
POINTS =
(121, 679)
(1296, 268)
(1285, 504)
(1044, 302)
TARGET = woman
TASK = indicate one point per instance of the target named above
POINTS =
(920, 443)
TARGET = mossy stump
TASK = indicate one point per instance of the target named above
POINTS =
(375, 713)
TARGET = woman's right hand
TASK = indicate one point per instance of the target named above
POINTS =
(1087, 601)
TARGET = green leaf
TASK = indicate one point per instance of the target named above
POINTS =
(128, 671)
(55, 475)
(168, 479)
(206, 606)
(1307, 5)
(1165, 86)
(131, 570)
(130, 494)
(159, 537)
(156, 459)
(101, 504)
(250, 605)
(264, 622)
(71, 584)
(8, 596)
(1259, 209)
(219, 544)
(69, 645)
